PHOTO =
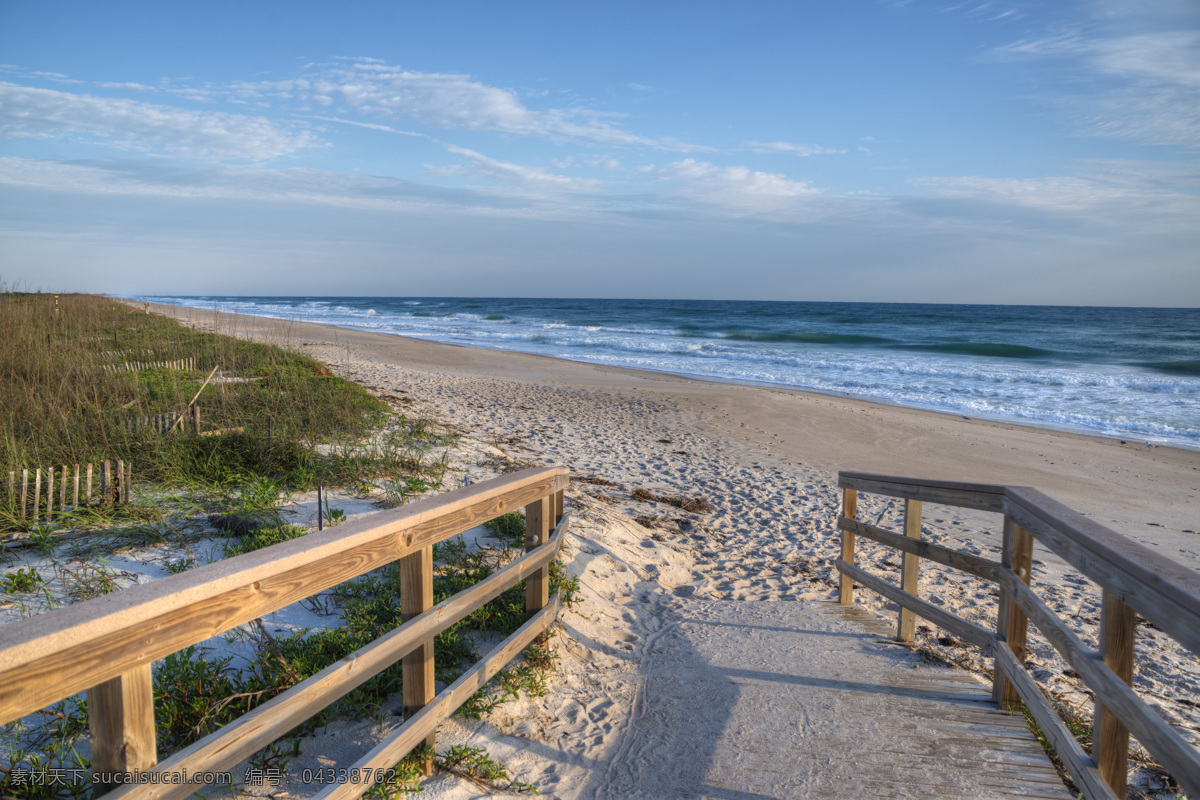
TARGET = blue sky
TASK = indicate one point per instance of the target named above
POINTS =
(1011, 152)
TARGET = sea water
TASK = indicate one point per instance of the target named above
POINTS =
(1120, 372)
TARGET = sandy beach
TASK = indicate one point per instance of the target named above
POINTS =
(764, 461)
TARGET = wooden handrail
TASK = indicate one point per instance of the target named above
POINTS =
(46, 658)
(106, 645)
(256, 729)
(1133, 579)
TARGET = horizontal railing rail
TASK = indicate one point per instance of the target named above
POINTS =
(1134, 580)
(106, 645)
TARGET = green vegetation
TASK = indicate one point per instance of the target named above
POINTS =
(61, 402)
(195, 694)
(508, 527)
(476, 765)
(21, 581)
(286, 424)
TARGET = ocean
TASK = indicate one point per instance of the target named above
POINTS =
(1121, 372)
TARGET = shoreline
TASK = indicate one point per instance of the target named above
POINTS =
(1153, 481)
(1048, 413)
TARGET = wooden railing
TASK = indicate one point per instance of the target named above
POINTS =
(106, 645)
(1134, 581)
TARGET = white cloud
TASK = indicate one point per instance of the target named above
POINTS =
(137, 87)
(230, 183)
(508, 172)
(792, 149)
(373, 126)
(1052, 194)
(741, 180)
(592, 162)
(736, 189)
(44, 113)
(1144, 85)
(1112, 195)
(190, 92)
(445, 100)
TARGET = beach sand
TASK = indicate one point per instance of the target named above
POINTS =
(765, 460)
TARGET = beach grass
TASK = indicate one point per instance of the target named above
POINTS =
(78, 368)
(78, 373)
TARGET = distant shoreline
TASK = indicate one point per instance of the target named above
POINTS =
(1141, 439)
(1130, 482)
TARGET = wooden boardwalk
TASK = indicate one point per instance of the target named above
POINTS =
(959, 707)
(752, 700)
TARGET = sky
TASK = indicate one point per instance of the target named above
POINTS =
(857, 150)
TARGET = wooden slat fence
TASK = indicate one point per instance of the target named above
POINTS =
(188, 364)
(155, 424)
(67, 487)
(106, 645)
(1133, 579)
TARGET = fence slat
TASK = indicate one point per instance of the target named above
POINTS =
(1012, 624)
(416, 597)
(121, 717)
(537, 531)
(849, 513)
(1110, 736)
(906, 622)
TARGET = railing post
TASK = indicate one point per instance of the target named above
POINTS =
(416, 596)
(906, 625)
(537, 531)
(849, 511)
(559, 502)
(1110, 737)
(121, 718)
(1012, 624)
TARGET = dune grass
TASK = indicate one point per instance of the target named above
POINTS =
(65, 399)
(287, 424)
